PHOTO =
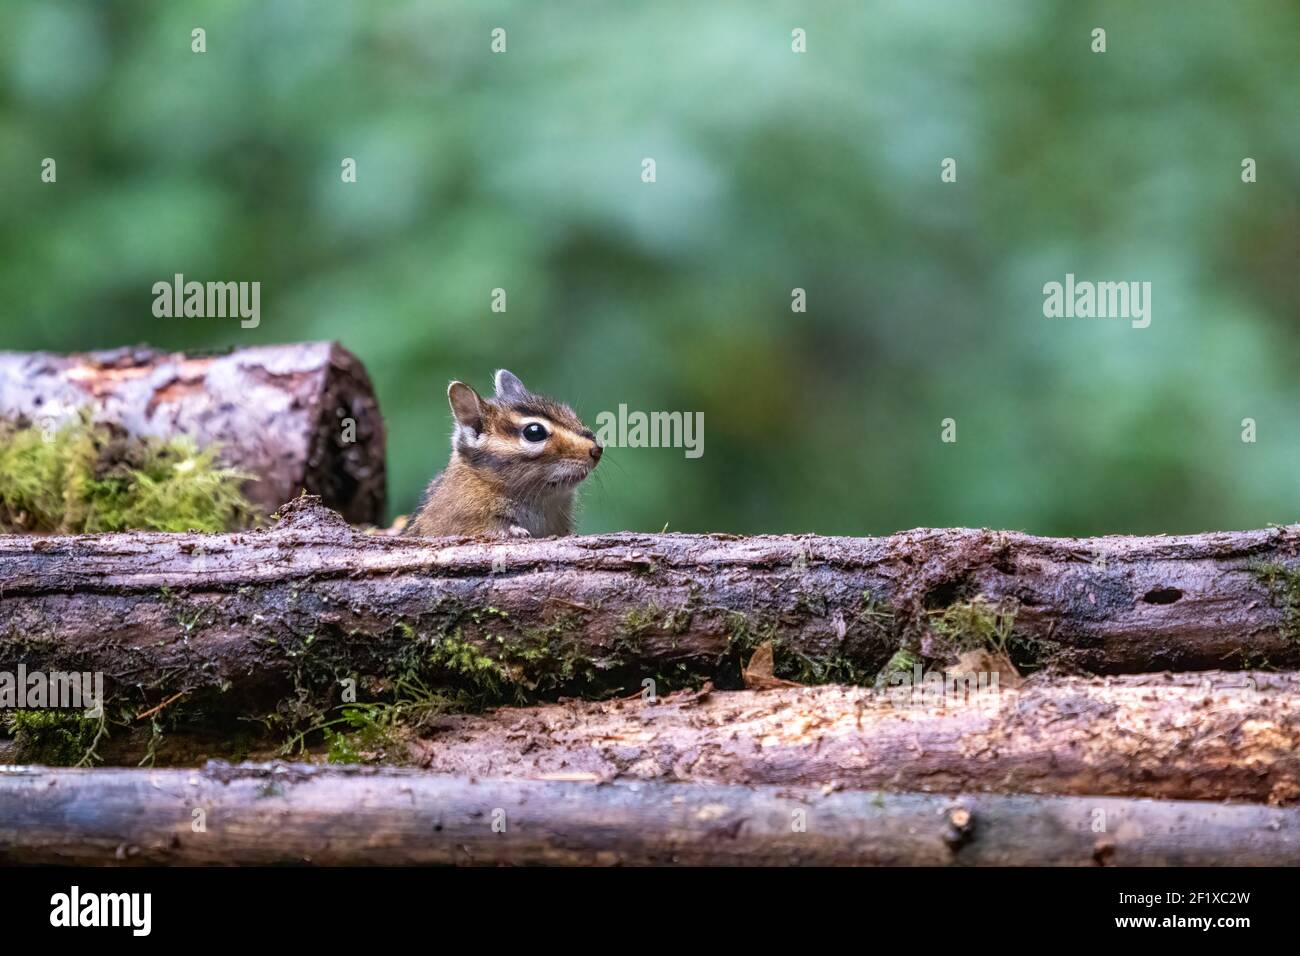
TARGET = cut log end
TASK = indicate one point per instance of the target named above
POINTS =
(298, 417)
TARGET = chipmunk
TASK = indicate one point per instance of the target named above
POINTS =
(516, 460)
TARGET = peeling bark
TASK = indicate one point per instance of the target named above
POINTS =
(277, 412)
(1213, 736)
(295, 814)
(247, 616)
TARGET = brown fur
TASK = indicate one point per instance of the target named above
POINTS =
(496, 482)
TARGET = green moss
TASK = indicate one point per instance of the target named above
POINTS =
(92, 477)
(459, 655)
(836, 669)
(876, 614)
(468, 667)
(342, 749)
(638, 622)
(976, 624)
(53, 737)
(748, 632)
(1252, 660)
(1283, 583)
(435, 669)
(547, 658)
(903, 661)
(378, 732)
(979, 624)
(445, 658)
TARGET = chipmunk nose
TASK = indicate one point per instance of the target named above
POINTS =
(596, 451)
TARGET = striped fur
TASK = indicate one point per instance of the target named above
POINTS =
(500, 483)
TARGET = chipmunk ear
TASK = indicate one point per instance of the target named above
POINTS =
(466, 405)
(508, 386)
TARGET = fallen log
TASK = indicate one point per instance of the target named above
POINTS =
(238, 620)
(1214, 736)
(279, 413)
(251, 815)
(1207, 736)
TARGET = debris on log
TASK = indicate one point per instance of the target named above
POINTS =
(246, 617)
(284, 814)
(297, 417)
(1209, 736)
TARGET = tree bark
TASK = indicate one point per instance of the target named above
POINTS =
(244, 617)
(1207, 736)
(1215, 736)
(226, 815)
(277, 412)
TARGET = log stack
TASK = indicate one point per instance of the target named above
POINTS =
(251, 613)
(1148, 710)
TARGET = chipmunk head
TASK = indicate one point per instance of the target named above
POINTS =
(530, 444)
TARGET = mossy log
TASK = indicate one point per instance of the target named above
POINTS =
(280, 413)
(280, 814)
(236, 621)
(1213, 736)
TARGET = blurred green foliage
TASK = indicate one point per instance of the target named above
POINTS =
(775, 170)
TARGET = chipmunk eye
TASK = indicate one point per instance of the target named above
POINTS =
(535, 432)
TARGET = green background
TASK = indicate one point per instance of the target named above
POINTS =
(775, 171)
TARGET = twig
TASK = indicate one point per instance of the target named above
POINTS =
(153, 710)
